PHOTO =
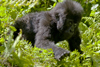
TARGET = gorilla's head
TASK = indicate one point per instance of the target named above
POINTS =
(67, 16)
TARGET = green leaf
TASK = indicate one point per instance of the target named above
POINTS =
(1, 48)
(92, 13)
(12, 28)
(2, 40)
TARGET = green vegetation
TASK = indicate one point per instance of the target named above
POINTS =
(20, 53)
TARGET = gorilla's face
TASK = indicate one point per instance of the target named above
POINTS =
(67, 23)
(69, 28)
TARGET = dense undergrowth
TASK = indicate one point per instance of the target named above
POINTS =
(20, 53)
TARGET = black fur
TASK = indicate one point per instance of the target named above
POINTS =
(46, 28)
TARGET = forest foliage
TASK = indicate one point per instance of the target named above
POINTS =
(20, 53)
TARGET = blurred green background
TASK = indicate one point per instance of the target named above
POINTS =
(20, 53)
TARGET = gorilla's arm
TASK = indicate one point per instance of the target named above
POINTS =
(42, 38)
(75, 41)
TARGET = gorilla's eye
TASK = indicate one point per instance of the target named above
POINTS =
(75, 25)
(57, 16)
(70, 22)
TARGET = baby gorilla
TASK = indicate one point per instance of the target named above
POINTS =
(46, 28)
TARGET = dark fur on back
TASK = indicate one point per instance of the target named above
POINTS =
(46, 28)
